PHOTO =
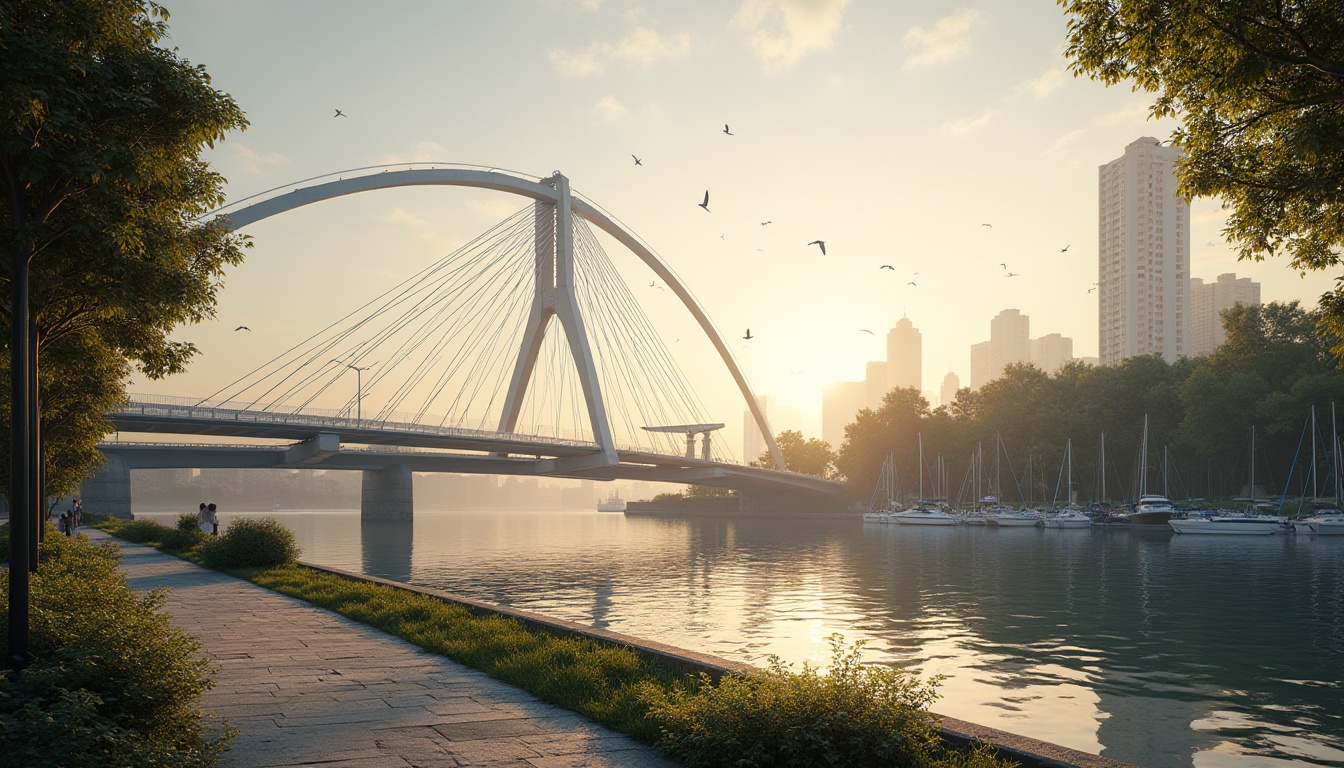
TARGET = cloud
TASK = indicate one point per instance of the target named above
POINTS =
(421, 230)
(968, 124)
(1063, 142)
(1135, 111)
(254, 163)
(609, 108)
(781, 31)
(494, 208)
(1044, 85)
(643, 46)
(421, 152)
(949, 39)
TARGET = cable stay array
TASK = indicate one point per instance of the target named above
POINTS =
(441, 347)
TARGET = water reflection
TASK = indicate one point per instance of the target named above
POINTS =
(1149, 648)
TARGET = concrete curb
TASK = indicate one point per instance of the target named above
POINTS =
(1031, 753)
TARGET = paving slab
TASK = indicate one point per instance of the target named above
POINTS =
(309, 687)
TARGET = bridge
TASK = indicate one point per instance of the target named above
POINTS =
(604, 399)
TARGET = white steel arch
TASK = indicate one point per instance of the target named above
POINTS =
(554, 293)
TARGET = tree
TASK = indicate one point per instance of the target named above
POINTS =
(102, 182)
(802, 455)
(1259, 88)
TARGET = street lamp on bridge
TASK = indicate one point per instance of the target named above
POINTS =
(359, 386)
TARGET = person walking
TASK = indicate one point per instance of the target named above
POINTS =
(213, 518)
(202, 518)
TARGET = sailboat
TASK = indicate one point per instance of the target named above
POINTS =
(1069, 515)
(923, 513)
(882, 503)
(1330, 521)
(1152, 508)
(1245, 525)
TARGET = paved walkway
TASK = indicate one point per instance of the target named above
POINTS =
(308, 687)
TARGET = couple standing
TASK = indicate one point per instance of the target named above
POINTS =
(207, 519)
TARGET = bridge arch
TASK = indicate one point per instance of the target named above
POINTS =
(546, 191)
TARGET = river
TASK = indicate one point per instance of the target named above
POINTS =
(1143, 646)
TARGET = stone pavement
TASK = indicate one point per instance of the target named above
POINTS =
(308, 687)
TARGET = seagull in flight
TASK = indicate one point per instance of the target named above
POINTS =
(1065, 248)
(1093, 288)
(912, 282)
(1005, 266)
(705, 204)
(991, 226)
(242, 328)
(821, 244)
(887, 266)
(637, 160)
(865, 330)
(763, 223)
(1012, 274)
(794, 373)
(339, 113)
(748, 337)
(725, 129)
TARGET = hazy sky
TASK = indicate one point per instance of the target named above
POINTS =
(890, 130)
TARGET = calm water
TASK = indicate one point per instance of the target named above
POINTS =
(1141, 646)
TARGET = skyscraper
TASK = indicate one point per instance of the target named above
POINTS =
(980, 369)
(875, 384)
(1207, 302)
(839, 403)
(1143, 255)
(949, 390)
(905, 350)
(1009, 341)
(1051, 351)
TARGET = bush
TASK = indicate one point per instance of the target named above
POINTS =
(188, 521)
(112, 682)
(250, 542)
(140, 531)
(182, 540)
(856, 715)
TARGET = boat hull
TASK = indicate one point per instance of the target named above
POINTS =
(1330, 526)
(930, 518)
(1225, 527)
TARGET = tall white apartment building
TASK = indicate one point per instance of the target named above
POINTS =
(1051, 351)
(1143, 255)
(1207, 302)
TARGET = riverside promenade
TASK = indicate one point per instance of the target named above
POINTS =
(307, 687)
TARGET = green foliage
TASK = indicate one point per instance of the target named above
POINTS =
(188, 521)
(855, 715)
(1258, 86)
(802, 455)
(707, 492)
(251, 543)
(103, 132)
(112, 682)
(140, 531)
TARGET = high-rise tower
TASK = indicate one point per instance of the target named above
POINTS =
(905, 350)
(1143, 256)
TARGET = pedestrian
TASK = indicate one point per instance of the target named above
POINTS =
(78, 516)
(214, 519)
(64, 524)
(202, 518)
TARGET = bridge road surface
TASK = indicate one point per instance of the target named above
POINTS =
(308, 687)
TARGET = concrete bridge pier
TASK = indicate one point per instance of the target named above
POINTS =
(386, 494)
(109, 491)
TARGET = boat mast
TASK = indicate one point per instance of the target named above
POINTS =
(919, 437)
(1334, 454)
(1102, 497)
(1068, 456)
(1166, 491)
(1252, 493)
(1143, 460)
(1314, 495)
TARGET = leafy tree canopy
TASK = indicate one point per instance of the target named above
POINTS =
(101, 182)
(1259, 88)
(808, 456)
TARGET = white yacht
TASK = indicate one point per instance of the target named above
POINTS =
(923, 514)
(1329, 522)
(1245, 525)
(1007, 517)
(1068, 517)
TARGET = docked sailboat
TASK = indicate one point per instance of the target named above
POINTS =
(1252, 525)
(1328, 521)
(1152, 508)
(924, 512)
(1068, 516)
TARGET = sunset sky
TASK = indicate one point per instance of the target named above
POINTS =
(890, 130)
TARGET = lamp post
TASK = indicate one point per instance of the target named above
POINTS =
(359, 386)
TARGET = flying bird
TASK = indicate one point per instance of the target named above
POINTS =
(794, 373)
(865, 330)
(652, 284)
(705, 204)
(1093, 288)
(1005, 266)
(242, 328)
(339, 113)
(821, 244)
(1011, 274)
(763, 223)
(912, 282)
(887, 266)
(1065, 248)
(637, 161)
(725, 129)
(748, 337)
(991, 226)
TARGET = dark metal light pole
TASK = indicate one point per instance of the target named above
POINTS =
(359, 387)
(20, 475)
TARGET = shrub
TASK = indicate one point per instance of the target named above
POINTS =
(181, 540)
(140, 531)
(112, 682)
(188, 521)
(250, 542)
(856, 715)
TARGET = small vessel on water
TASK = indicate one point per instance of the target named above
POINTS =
(1328, 521)
(1007, 517)
(613, 503)
(1252, 525)
(923, 512)
(1151, 508)
(1067, 517)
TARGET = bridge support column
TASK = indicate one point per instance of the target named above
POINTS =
(386, 494)
(109, 491)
